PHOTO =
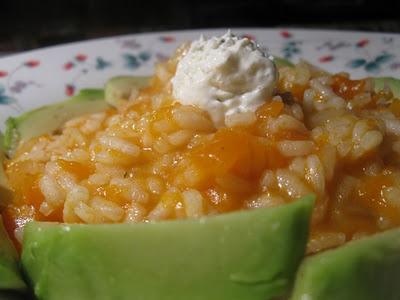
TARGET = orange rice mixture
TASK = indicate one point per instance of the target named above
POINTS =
(155, 159)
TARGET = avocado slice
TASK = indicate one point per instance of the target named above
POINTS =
(392, 83)
(282, 62)
(49, 118)
(366, 269)
(10, 277)
(242, 255)
(6, 194)
(380, 82)
(119, 89)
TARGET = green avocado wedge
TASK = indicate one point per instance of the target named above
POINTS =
(10, 277)
(366, 269)
(390, 82)
(242, 255)
(47, 119)
(6, 194)
(380, 82)
(40, 121)
(282, 62)
(119, 89)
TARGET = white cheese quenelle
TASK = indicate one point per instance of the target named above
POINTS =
(224, 76)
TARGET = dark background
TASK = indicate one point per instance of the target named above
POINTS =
(31, 24)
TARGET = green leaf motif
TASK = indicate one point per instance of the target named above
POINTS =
(356, 63)
(102, 64)
(144, 56)
(131, 61)
(383, 58)
(4, 99)
(372, 67)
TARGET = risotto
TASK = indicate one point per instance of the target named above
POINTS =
(154, 159)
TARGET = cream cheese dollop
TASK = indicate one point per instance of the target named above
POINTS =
(224, 76)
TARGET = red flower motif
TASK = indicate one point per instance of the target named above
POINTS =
(80, 57)
(327, 58)
(249, 36)
(69, 89)
(286, 34)
(68, 66)
(362, 43)
(32, 63)
(167, 39)
(3, 73)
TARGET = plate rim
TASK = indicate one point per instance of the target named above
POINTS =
(195, 30)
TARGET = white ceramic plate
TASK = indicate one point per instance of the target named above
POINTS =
(43, 76)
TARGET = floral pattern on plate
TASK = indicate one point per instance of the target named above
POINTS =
(43, 76)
